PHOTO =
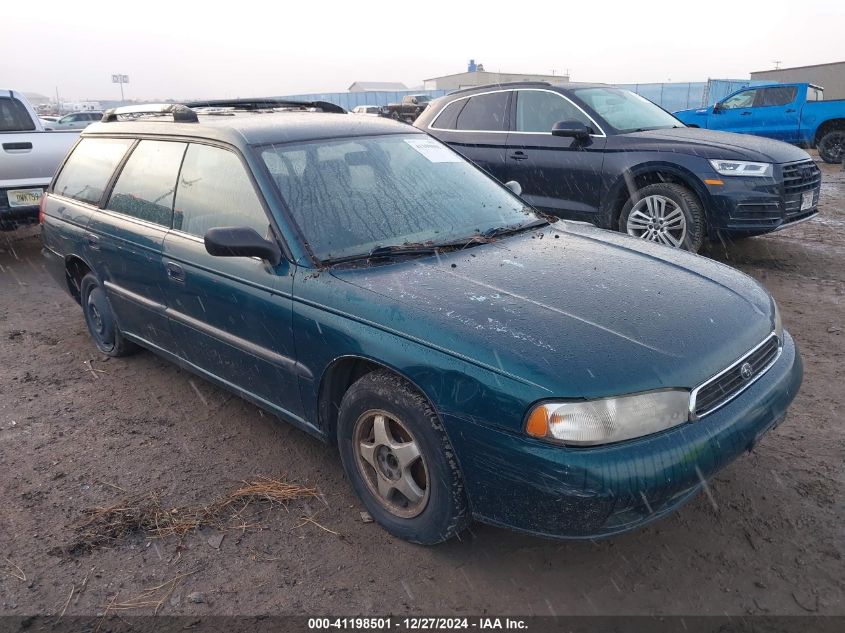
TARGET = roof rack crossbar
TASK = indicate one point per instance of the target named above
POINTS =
(263, 103)
(180, 113)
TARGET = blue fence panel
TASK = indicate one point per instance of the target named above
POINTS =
(349, 100)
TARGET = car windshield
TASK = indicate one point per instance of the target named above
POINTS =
(352, 196)
(625, 110)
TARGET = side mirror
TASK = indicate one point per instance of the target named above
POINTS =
(573, 129)
(718, 108)
(514, 186)
(241, 241)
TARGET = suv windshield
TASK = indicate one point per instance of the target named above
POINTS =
(352, 196)
(625, 110)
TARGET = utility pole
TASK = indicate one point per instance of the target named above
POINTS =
(120, 79)
(777, 64)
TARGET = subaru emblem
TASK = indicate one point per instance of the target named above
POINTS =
(745, 371)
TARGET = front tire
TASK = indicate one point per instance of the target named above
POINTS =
(832, 146)
(399, 461)
(100, 319)
(666, 213)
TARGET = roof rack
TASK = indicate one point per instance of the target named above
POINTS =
(181, 113)
(501, 84)
(265, 103)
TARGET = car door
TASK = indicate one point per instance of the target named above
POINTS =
(562, 175)
(776, 114)
(477, 127)
(125, 239)
(736, 113)
(231, 315)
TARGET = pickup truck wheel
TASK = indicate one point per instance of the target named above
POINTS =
(100, 320)
(399, 460)
(832, 146)
(665, 213)
(395, 116)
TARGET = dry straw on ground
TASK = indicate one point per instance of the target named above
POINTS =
(145, 514)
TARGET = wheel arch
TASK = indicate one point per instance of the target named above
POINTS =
(639, 176)
(75, 269)
(828, 126)
(336, 380)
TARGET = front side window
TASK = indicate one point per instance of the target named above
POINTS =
(145, 187)
(14, 116)
(214, 190)
(538, 111)
(90, 167)
(352, 195)
(625, 110)
(779, 96)
(485, 112)
(744, 99)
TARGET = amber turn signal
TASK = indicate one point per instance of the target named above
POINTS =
(538, 423)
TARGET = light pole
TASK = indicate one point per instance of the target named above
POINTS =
(120, 79)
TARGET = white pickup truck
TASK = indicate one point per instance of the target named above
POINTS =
(29, 156)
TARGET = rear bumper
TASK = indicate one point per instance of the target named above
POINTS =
(13, 217)
(528, 485)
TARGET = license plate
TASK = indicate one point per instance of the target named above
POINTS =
(807, 200)
(24, 197)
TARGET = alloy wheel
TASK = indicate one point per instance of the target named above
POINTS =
(658, 219)
(391, 463)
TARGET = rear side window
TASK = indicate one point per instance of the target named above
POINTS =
(147, 183)
(14, 117)
(214, 190)
(538, 111)
(484, 112)
(779, 96)
(448, 117)
(89, 168)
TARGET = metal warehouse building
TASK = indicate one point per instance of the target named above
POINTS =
(831, 77)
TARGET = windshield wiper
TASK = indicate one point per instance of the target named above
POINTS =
(498, 231)
(380, 252)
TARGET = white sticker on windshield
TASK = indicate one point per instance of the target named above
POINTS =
(433, 151)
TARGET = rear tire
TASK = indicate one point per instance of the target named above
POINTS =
(665, 213)
(832, 146)
(100, 319)
(400, 461)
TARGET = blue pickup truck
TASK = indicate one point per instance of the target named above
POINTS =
(795, 113)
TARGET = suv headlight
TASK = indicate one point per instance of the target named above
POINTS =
(741, 168)
(609, 419)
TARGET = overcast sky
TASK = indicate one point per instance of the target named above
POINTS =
(184, 49)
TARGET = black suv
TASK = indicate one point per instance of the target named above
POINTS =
(603, 154)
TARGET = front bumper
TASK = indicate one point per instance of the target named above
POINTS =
(525, 484)
(754, 206)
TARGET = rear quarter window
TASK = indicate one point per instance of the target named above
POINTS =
(14, 116)
(90, 167)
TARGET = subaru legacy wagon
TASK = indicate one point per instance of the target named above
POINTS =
(469, 357)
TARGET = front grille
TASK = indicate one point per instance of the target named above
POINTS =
(800, 177)
(725, 386)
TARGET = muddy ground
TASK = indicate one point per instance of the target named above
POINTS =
(77, 431)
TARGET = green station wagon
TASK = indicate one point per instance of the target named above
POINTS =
(469, 356)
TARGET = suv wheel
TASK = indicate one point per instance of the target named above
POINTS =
(832, 146)
(100, 319)
(665, 213)
(399, 460)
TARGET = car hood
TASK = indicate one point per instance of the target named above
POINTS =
(575, 310)
(715, 144)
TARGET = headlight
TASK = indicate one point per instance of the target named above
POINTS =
(778, 324)
(741, 168)
(609, 419)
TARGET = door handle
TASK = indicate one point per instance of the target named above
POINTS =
(744, 113)
(518, 155)
(790, 110)
(93, 241)
(175, 271)
(17, 147)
